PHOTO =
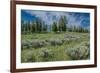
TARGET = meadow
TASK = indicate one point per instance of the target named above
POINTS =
(51, 46)
(54, 36)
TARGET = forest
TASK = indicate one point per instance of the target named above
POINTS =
(40, 26)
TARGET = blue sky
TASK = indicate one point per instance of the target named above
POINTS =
(74, 18)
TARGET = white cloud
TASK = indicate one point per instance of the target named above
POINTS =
(49, 17)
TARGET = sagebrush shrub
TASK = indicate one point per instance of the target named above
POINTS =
(69, 37)
(25, 44)
(55, 42)
(77, 53)
(46, 54)
(28, 56)
(36, 44)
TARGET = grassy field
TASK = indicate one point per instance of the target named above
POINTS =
(63, 46)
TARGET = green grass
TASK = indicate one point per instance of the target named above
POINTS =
(53, 52)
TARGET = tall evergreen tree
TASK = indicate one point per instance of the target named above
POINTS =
(54, 27)
(62, 23)
(39, 24)
(22, 27)
(33, 27)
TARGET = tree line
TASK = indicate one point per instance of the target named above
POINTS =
(35, 26)
(57, 26)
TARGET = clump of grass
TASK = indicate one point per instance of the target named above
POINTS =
(28, 56)
(87, 44)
